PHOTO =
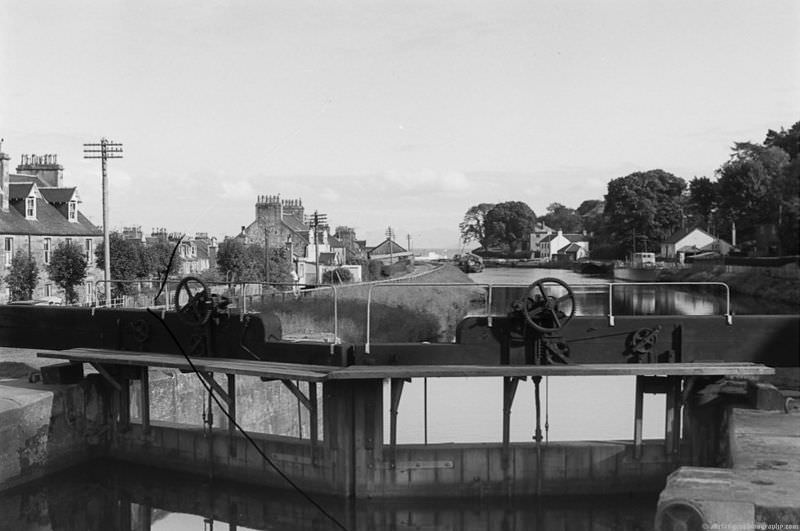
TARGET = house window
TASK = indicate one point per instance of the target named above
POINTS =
(72, 211)
(68, 240)
(89, 291)
(88, 247)
(47, 247)
(9, 248)
(30, 208)
(48, 290)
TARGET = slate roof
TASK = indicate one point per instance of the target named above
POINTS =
(49, 222)
(295, 223)
(21, 178)
(387, 247)
(571, 248)
(570, 237)
(17, 191)
(681, 234)
(59, 195)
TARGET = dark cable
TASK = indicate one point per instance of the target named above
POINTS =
(210, 391)
(247, 436)
(166, 273)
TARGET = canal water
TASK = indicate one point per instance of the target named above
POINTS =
(116, 497)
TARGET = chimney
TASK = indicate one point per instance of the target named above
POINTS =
(5, 160)
(45, 167)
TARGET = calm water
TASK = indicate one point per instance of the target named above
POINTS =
(115, 497)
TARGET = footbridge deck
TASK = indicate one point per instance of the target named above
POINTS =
(321, 373)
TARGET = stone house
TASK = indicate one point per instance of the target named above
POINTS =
(37, 213)
(280, 223)
(540, 232)
(389, 252)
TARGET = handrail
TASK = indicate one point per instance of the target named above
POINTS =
(727, 314)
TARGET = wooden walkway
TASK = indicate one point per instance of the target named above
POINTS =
(319, 373)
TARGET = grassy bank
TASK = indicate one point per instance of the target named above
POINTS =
(752, 283)
(399, 312)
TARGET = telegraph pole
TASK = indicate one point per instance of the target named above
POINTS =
(104, 150)
(317, 220)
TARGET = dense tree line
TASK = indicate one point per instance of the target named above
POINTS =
(240, 262)
(137, 260)
(755, 193)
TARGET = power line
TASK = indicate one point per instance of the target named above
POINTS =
(104, 150)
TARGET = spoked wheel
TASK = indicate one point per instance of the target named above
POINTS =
(549, 305)
(193, 301)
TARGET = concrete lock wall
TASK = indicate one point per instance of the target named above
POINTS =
(261, 407)
(44, 428)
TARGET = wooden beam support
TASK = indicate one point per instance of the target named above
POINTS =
(107, 375)
(209, 378)
(313, 419)
(290, 385)
(637, 417)
(232, 413)
(396, 393)
(672, 418)
(144, 400)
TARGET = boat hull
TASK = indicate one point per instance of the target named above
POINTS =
(636, 274)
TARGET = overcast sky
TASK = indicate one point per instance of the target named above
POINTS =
(401, 113)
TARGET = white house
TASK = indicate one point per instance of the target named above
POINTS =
(690, 242)
(569, 246)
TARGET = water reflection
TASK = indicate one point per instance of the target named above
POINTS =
(591, 295)
(118, 497)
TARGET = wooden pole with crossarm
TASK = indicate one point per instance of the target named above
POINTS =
(104, 150)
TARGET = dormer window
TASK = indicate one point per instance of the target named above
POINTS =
(72, 211)
(30, 208)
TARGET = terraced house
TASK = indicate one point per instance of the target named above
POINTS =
(37, 213)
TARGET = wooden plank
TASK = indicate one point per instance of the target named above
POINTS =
(222, 365)
(621, 369)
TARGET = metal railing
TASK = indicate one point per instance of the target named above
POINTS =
(727, 314)
(241, 298)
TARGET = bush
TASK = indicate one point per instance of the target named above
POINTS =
(374, 270)
(340, 275)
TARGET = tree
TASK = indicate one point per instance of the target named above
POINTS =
(788, 141)
(750, 187)
(591, 213)
(473, 227)
(67, 268)
(340, 275)
(155, 259)
(22, 277)
(788, 187)
(236, 262)
(126, 262)
(560, 217)
(701, 202)
(509, 224)
(646, 204)
(246, 263)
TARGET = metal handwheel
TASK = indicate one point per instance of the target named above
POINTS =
(545, 312)
(193, 301)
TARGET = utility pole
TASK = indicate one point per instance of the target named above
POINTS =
(266, 256)
(390, 237)
(104, 150)
(317, 220)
